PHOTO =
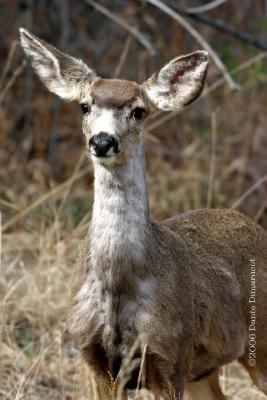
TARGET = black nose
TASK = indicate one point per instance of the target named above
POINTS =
(102, 143)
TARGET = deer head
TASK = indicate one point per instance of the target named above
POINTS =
(114, 110)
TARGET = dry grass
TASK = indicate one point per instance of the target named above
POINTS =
(37, 357)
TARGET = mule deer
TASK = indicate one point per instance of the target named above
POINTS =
(182, 285)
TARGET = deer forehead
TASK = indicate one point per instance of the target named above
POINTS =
(115, 93)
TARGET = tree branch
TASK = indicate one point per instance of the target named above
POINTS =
(176, 16)
(219, 25)
(206, 7)
(120, 21)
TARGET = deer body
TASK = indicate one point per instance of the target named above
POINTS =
(175, 292)
(193, 267)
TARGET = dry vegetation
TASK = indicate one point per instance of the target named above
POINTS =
(209, 154)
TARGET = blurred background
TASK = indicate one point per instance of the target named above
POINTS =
(210, 154)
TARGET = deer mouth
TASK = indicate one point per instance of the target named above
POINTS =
(102, 157)
(107, 160)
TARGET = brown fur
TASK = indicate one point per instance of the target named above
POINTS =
(114, 93)
(201, 261)
(206, 389)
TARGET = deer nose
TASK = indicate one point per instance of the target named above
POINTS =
(102, 143)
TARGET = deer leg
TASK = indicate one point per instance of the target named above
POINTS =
(174, 392)
(199, 390)
(213, 381)
(153, 378)
(205, 389)
(158, 383)
(179, 388)
(257, 373)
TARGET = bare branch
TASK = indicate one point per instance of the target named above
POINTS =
(12, 80)
(123, 56)
(252, 189)
(176, 16)
(11, 52)
(120, 21)
(261, 211)
(219, 25)
(206, 7)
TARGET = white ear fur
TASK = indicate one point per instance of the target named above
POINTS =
(62, 74)
(179, 82)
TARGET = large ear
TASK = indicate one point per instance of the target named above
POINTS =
(179, 82)
(62, 74)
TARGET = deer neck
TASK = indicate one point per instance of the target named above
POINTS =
(120, 218)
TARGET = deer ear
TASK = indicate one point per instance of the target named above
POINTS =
(179, 82)
(62, 74)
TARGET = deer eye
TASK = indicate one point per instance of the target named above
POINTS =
(85, 108)
(138, 113)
